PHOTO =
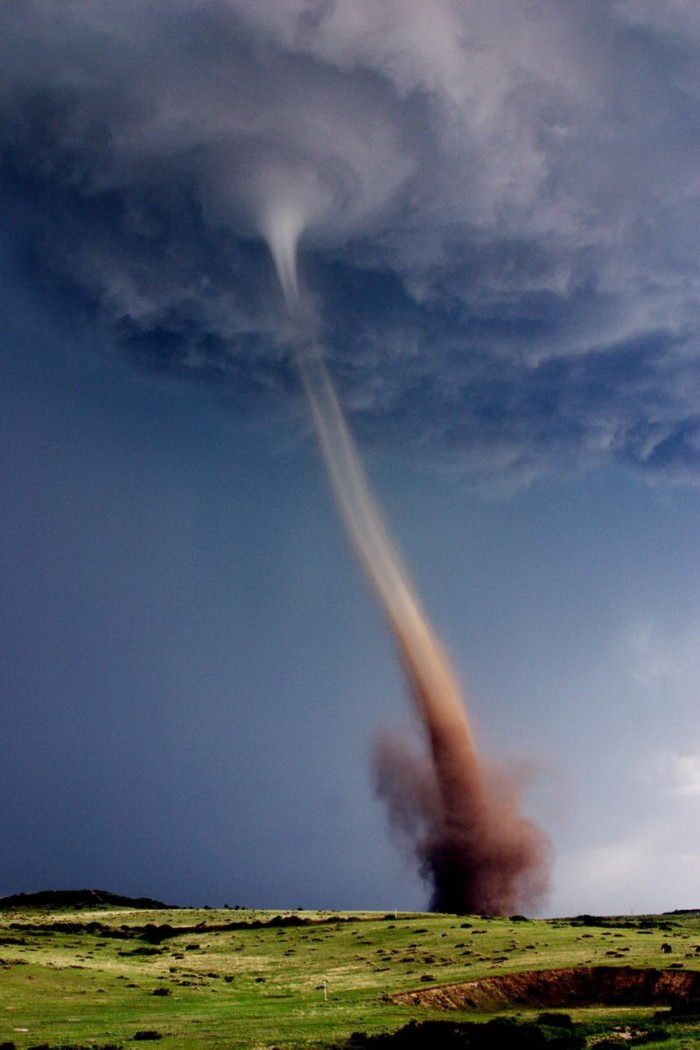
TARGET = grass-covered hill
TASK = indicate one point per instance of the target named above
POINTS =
(87, 973)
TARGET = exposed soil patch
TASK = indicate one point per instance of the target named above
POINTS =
(577, 986)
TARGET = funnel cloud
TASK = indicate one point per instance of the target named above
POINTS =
(478, 851)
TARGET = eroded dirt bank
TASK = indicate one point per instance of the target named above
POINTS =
(577, 986)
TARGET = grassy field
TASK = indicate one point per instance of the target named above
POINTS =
(240, 979)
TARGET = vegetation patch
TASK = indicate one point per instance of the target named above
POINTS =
(503, 1033)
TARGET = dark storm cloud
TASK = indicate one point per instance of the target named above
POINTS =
(501, 205)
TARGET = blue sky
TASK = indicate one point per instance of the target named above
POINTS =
(501, 243)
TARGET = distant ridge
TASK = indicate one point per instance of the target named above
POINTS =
(77, 899)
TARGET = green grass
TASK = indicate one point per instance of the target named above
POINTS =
(292, 986)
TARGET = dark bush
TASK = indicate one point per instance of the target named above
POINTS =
(155, 934)
(652, 1035)
(554, 1020)
(64, 1046)
(504, 1033)
(680, 1011)
(142, 951)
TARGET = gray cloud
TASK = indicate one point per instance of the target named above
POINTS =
(501, 205)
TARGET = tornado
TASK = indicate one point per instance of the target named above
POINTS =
(461, 815)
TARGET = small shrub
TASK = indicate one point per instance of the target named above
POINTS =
(553, 1020)
(680, 1012)
(653, 1035)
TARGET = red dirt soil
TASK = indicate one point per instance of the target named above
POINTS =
(577, 986)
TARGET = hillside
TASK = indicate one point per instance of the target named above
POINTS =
(76, 899)
(107, 975)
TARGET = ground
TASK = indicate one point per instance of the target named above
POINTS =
(101, 973)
